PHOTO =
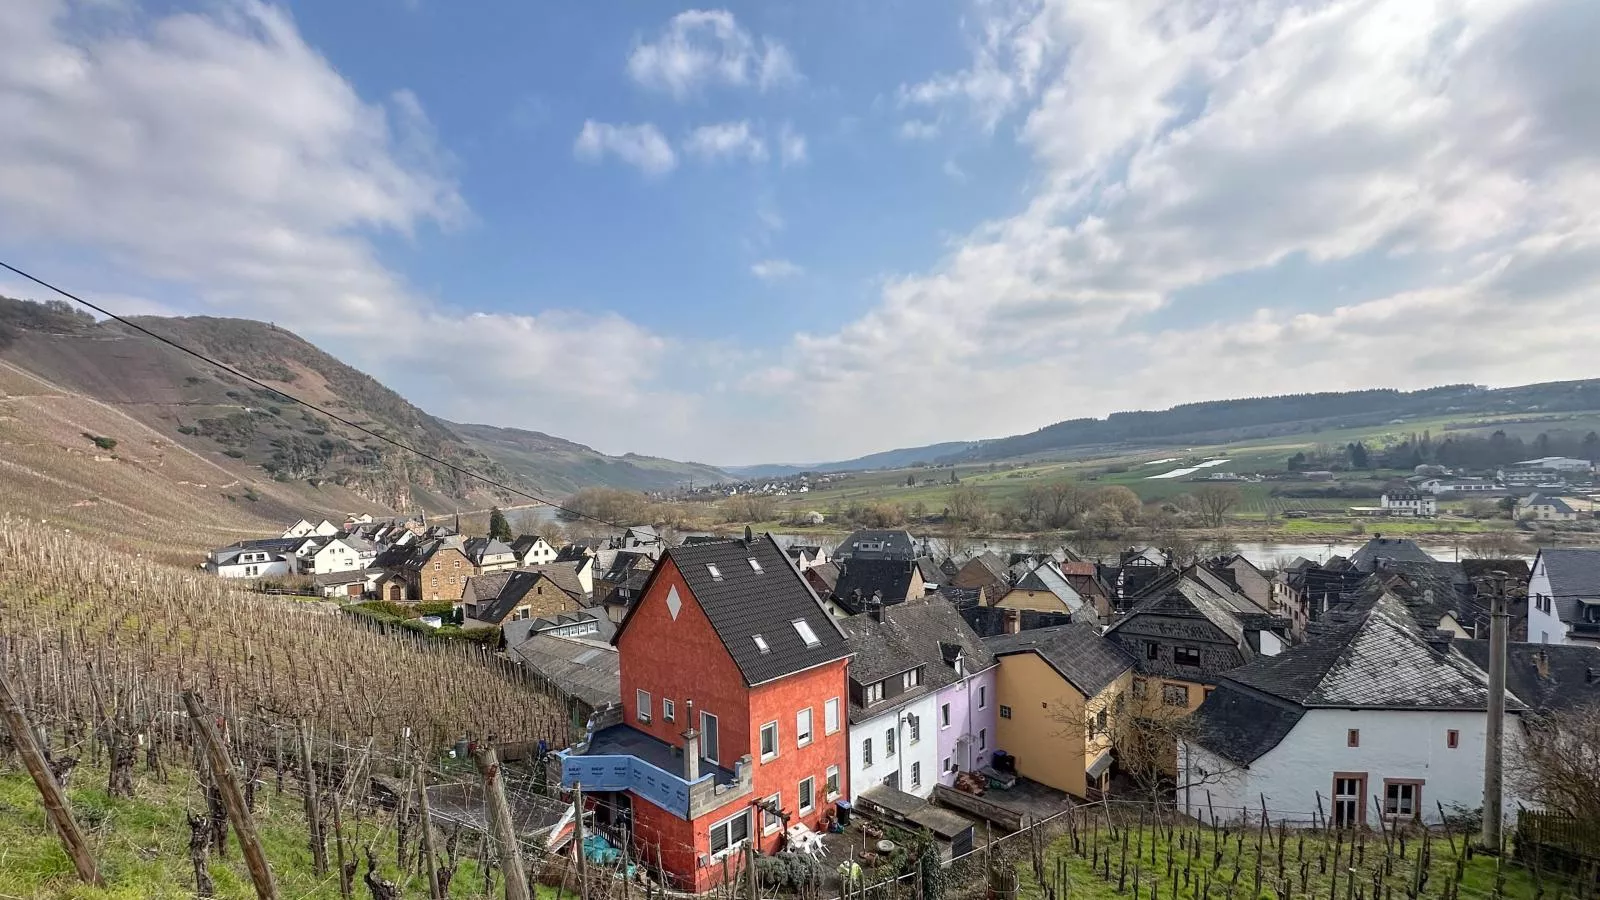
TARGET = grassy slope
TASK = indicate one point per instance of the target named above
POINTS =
(560, 466)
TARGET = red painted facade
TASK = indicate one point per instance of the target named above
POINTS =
(681, 658)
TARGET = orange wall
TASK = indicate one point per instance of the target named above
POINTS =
(780, 701)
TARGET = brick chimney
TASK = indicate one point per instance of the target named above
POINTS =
(691, 755)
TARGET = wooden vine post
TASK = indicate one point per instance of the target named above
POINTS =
(244, 824)
(499, 816)
(27, 744)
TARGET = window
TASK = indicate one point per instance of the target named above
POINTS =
(1452, 739)
(755, 565)
(916, 774)
(1097, 725)
(1141, 689)
(947, 765)
(830, 715)
(802, 727)
(888, 743)
(771, 821)
(808, 794)
(983, 738)
(872, 693)
(1152, 650)
(1005, 711)
(729, 834)
(1400, 798)
(1175, 694)
(669, 710)
(911, 679)
(1352, 738)
(1186, 656)
(769, 741)
(761, 643)
(983, 696)
(915, 724)
(831, 783)
(803, 628)
(716, 573)
(944, 715)
(866, 752)
(641, 706)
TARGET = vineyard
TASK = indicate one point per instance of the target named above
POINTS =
(156, 697)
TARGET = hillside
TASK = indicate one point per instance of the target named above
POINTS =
(887, 459)
(560, 466)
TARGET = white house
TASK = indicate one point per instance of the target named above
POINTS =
(1370, 716)
(1564, 596)
(1457, 486)
(304, 528)
(533, 550)
(338, 555)
(1410, 503)
(490, 555)
(254, 559)
(1539, 508)
(1555, 464)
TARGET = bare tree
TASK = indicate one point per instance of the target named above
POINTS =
(1122, 500)
(1068, 502)
(1214, 501)
(1561, 753)
(552, 532)
(967, 505)
(1035, 500)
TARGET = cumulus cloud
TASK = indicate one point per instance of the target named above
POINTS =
(726, 141)
(640, 146)
(701, 47)
(220, 164)
(791, 146)
(775, 269)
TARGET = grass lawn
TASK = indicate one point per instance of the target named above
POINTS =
(1304, 868)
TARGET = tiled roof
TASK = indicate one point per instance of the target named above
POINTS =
(929, 567)
(562, 575)
(897, 544)
(891, 579)
(1078, 652)
(911, 635)
(588, 670)
(1573, 573)
(1380, 549)
(741, 602)
(1241, 725)
(1567, 676)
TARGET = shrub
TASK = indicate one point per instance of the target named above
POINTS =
(104, 443)
(234, 452)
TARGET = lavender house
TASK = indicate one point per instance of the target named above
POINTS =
(965, 708)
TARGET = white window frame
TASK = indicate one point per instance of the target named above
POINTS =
(830, 715)
(983, 738)
(910, 679)
(808, 785)
(777, 821)
(808, 635)
(871, 693)
(641, 706)
(802, 727)
(776, 735)
(830, 782)
(916, 774)
(914, 723)
(732, 845)
(669, 710)
(983, 696)
(866, 752)
(944, 716)
(889, 742)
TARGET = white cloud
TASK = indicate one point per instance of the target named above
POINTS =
(725, 141)
(700, 47)
(640, 146)
(919, 130)
(217, 163)
(775, 269)
(791, 146)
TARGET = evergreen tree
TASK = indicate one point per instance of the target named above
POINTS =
(1358, 455)
(499, 528)
(1591, 447)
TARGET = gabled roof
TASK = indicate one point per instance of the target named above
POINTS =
(1574, 573)
(562, 575)
(587, 669)
(493, 608)
(429, 548)
(926, 633)
(1077, 652)
(897, 544)
(1545, 677)
(741, 602)
(1374, 553)
(479, 548)
(1555, 503)
(890, 579)
(525, 542)
(929, 567)
(1047, 578)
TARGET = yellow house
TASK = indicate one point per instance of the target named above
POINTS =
(1060, 690)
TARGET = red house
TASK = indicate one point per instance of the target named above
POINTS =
(732, 724)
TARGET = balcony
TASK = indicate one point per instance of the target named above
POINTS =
(615, 757)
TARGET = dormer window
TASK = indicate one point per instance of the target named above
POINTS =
(803, 628)
(716, 573)
(755, 565)
(761, 643)
(872, 693)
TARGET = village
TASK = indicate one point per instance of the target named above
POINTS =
(751, 694)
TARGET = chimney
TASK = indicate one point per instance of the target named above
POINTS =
(691, 755)
(1541, 663)
(1438, 639)
(749, 536)
(875, 606)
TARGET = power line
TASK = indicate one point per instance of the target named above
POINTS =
(307, 404)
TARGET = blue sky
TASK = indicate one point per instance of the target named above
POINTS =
(799, 231)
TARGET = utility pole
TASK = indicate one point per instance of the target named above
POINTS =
(499, 815)
(55, 804)
(1494, 735)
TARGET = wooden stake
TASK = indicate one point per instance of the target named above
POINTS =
(434, 890)
(244, 824)
(27, 744)
(499, 815)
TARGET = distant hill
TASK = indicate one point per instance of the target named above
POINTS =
(186, 449)
(887, 459)
(561, 466)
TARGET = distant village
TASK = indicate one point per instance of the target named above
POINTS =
(748, 691)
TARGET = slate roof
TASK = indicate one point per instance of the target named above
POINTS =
(1241, 725)
(897, 544)
(1570, 677)
(923, 633)
(562, 576)
(929, 567)
(745, 602)
(493, 608)
(480, 588)
(582, 668)
(1573, 572)
(827, 574)
(333, 579)
(524, 543)
(1047, 578)
(1379, 550)
(889, 578)
(1078, 653)
(477, 548)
